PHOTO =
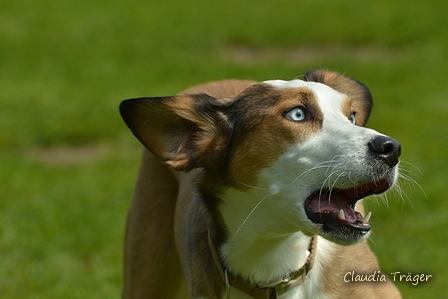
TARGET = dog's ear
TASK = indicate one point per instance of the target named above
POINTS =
(358, 92)
(185, 131)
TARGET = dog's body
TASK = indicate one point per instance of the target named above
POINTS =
(259, 170)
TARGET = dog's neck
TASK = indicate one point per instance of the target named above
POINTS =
(261, 247)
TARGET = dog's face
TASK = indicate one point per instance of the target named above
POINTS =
(325, 162)
(304, 141)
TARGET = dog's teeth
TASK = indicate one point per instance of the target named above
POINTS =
(367, 218)
(341, 215)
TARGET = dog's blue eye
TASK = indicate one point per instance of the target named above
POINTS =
(353, 118)
(296, 114)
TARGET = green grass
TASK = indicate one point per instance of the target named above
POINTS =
(68, 164)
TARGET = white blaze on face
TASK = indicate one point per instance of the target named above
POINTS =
(329, 100)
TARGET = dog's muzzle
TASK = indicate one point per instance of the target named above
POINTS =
(334, 209)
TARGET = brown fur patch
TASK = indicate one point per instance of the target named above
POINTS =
(358, 93)
(271, 133)
(346, 106)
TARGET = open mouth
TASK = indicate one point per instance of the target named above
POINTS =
(335, 209)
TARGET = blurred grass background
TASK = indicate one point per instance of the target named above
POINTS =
(68, 164)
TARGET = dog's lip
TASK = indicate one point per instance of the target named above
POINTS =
(335, 208)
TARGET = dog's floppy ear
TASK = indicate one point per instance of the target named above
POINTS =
(185, 131)
(358, 92)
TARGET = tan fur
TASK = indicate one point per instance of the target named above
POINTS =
(152, 266)
(221, 89)
(347, 106)
(345, 85)
(358, 258)
(159, 215)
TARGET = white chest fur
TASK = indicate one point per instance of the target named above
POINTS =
(263, 247)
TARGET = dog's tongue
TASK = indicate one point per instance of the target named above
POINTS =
(337, 203)
(337, 207)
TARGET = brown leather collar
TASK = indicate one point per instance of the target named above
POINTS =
(293, 280)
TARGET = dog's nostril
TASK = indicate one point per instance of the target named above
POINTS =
(388, 148)
(385, 148)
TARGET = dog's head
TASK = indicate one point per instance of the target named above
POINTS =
(304, 141)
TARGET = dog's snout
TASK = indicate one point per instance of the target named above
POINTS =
(385, 148)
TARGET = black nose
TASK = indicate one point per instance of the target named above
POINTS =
(386, 149)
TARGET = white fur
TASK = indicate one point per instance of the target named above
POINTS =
(269, 230)
(262, 247)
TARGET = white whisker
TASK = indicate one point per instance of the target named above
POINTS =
(410, 164)
(248, 216)
(328, 179)
(404, 197)
(371, 239)
(315, 167)
(412, 183)
(332, 186)
(250, 186)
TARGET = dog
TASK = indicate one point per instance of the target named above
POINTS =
(253, 190)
